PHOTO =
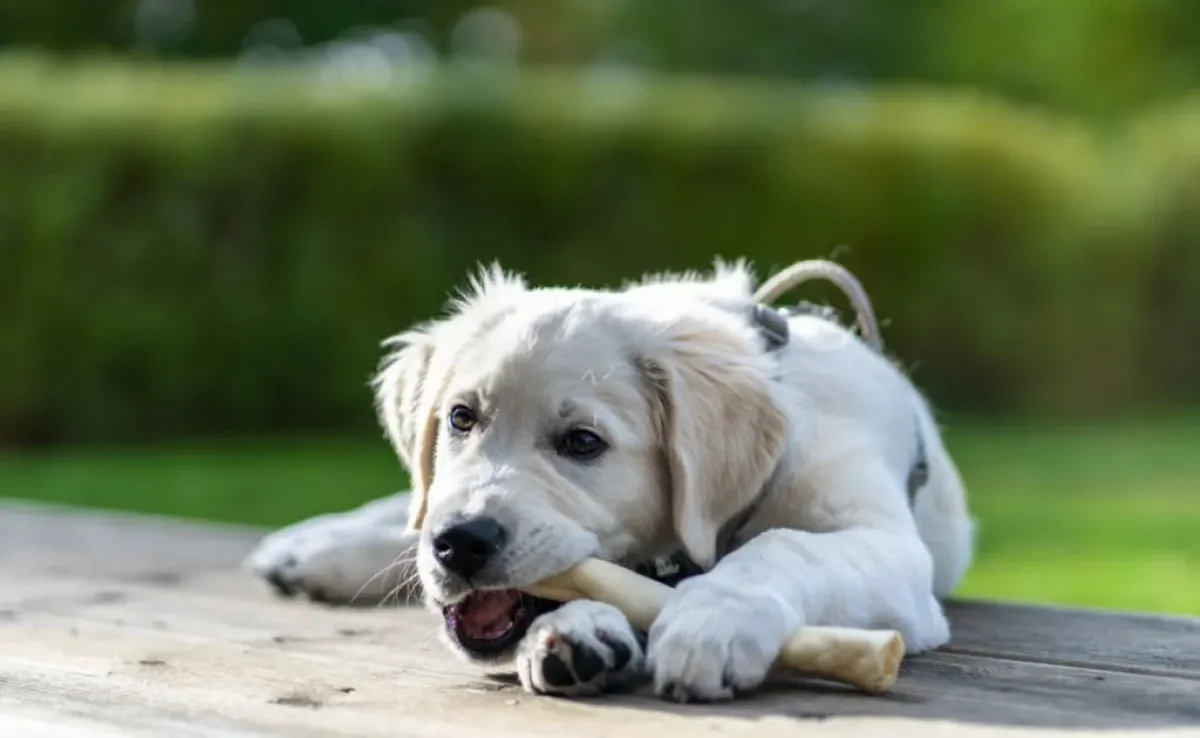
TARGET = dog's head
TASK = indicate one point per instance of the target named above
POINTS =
(543, 426)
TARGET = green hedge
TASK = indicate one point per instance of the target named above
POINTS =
(189, 251)
(1163, 155)
(1089, 56)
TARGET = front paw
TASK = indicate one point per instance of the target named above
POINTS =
(713, 640)
(336, 559)
(582, 648)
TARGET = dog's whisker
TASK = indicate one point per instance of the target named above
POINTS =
(403, 558)
(407, 586)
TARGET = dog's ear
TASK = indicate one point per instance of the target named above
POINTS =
(721, 427)
(407, 410)
(411, 379)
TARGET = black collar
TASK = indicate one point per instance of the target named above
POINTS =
(772, 324)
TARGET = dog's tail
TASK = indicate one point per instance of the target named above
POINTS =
(803, 271)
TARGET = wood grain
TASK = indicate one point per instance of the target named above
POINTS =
(1169, 646)
(115, 625)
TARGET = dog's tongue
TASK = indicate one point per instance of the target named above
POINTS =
(489, 614)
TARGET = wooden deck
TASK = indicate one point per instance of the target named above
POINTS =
(113, 625)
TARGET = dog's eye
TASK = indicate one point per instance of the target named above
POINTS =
(462, 420)
(581, 444)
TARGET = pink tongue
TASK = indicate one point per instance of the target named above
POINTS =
(487, 615)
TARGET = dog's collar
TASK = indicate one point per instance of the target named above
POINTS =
(772, 325)
(675, 567)
(670, 570)
(918, 473)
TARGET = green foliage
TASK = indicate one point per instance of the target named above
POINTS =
(1163, 163)
(1095, 56)
(189, 250)
(219, 28)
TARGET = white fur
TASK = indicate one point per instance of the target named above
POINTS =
(596, 625)
(700, 422)
(364, 555)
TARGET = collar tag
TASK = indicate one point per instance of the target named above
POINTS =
(669, 570)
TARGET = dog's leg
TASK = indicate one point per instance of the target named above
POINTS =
(362, 556)
(582, 648)
(721, 631)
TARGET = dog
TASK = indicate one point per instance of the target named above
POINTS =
(781, 454)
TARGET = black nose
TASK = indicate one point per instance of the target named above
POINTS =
(466, 548)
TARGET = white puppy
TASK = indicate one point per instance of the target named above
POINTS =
(799, 468)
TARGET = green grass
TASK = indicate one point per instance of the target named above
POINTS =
(1101, 515)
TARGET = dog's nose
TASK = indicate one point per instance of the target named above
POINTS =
(465, 548)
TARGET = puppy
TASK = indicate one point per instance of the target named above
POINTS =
(789, 460)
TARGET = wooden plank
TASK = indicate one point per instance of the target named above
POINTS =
(146, 627)
(51, 539)
(1136, 644)
(55, 726)
(940, 684)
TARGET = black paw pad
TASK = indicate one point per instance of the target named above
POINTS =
(588, 664)
(281, 586)
(621, 653)
(555, 672)
(727, 683)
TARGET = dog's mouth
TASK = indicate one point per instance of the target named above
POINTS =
(488, 622)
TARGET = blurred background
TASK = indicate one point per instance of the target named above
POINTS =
(212, 212)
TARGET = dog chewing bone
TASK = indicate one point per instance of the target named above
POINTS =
(866, 659)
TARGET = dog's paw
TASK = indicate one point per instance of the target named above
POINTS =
(582, 648)
(714, 640)
(342, 558)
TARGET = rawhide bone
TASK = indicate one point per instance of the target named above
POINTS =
(866, 659)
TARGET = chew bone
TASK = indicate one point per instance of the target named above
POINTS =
(866, 659)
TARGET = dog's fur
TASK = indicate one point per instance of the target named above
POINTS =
(699, 421)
